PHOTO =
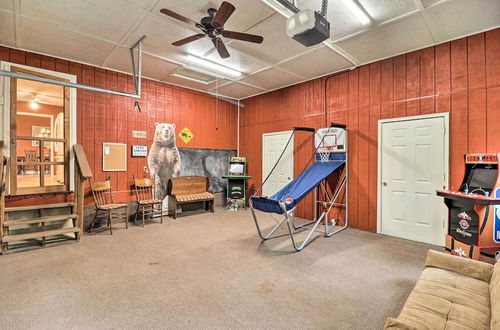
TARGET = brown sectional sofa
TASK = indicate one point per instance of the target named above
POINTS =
(452, 293)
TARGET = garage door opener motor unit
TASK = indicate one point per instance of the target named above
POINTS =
(309, 27)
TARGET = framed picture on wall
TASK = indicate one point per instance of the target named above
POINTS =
(39, 131)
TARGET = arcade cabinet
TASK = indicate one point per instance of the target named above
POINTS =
(236, 183)
(474, 210)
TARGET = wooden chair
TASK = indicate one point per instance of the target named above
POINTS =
(104, 205)
(30, 156)
(146, 203)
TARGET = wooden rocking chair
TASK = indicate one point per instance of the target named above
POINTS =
(104, 205)
(147, 205)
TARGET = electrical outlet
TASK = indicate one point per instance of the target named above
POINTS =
(146, 169)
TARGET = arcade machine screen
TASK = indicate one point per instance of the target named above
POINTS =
(236, 169)
(482, 178)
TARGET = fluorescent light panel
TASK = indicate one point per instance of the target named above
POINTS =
(180, 75)
(212, 68)
(279, 8)
(360, 14)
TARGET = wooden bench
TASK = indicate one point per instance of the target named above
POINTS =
(190, 189)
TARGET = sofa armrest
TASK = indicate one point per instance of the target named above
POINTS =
(396, 324)
(468, 267)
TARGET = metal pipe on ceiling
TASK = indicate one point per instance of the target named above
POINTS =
(64, 83)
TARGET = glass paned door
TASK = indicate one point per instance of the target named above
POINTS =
(39, 136)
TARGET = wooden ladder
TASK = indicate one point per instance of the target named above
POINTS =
(74, 209)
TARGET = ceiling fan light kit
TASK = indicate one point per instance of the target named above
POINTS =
(213, 27)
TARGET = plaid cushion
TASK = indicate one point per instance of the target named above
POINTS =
(195, 197)
(150, 201)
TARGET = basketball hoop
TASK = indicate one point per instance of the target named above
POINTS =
(324, 154)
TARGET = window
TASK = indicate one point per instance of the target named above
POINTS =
(39, 135)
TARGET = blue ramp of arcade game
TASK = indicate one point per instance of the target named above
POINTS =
(297, 189)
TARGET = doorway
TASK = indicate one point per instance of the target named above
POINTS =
(39, 135)
(413, 163)
(273, 145)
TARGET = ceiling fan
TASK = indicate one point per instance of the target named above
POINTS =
(213, 27)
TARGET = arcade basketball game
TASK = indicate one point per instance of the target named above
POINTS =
(474, 210)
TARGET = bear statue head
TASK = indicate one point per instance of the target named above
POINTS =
(165, 134)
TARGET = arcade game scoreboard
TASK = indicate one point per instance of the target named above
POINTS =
(474, 210)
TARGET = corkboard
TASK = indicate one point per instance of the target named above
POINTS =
(114, 157)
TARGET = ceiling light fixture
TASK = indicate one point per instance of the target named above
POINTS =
(180, 75)
(357, 10)
(33, 103)
(210, 67)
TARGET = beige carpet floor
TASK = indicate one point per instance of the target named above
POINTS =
(208, 271)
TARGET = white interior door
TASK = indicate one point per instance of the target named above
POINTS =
(413, 165)
(273, 145)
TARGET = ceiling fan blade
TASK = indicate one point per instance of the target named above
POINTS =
(225, 10)
(243, 36)
(221, 48)
(188, 39)
(179, 17)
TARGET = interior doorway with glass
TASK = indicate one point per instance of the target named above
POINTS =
(39, 129)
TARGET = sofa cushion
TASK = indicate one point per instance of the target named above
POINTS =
(443, 299)
(495, 297)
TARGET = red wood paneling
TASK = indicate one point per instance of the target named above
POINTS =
(461, 77)
(109, 118)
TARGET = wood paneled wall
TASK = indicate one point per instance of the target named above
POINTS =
(109, 118)
(461, 77)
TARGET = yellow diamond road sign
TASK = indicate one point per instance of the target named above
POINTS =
(186, 135)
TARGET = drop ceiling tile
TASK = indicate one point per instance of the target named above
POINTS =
(239, 61)
(428, 3)
(238, 91)
(7, 29)
(390, 39)
(382, 11)
(144, 4)
(247, 13)
(6, 5)
(109, 19)
(48, 39)
(277, 46)
(454, 19)
(271, 78)
(161, 32)
(152, 67)
(318, 62)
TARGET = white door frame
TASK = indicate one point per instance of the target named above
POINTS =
(446, 160)
(5, 113)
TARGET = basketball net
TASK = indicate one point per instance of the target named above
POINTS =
(324, 154)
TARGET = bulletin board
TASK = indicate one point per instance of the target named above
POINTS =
(114, 157)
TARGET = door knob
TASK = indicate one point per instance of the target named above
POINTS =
(384, 184)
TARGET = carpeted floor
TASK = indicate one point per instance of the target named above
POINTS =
(208, 271)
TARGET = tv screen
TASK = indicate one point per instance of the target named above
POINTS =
(482, 178)
(236, 169)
